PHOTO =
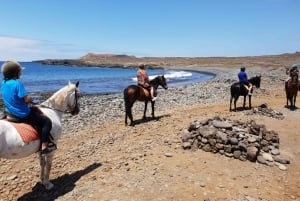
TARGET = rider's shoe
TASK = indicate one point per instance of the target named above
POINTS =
(154, 98)
(51, 147)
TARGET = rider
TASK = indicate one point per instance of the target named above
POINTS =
(243, 78)
(143, 81)
(16, 102)
(292, 71)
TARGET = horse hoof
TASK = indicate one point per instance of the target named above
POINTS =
(49, 186)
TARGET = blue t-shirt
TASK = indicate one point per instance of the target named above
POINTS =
(13, 93)
(243, 77)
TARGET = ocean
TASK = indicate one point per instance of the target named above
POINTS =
(39, 78)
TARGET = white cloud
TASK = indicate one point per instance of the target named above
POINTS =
(23, 49)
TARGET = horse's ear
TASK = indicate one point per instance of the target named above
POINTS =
(69, 82)
(77, 84)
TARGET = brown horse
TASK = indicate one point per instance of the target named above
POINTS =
(134, 92)
(291, 90)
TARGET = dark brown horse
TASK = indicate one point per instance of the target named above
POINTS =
(291, 90)
(238, 89)
(133, 93)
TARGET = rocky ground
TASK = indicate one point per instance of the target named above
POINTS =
(99, 158)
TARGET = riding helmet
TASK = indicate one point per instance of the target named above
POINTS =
(295, 66)
(10, 69)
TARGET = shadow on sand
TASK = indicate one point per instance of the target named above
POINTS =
(148, 119)
(62, 185)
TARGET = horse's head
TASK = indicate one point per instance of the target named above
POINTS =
(72, 98)
(255, 81)
(159, 80)
(65, 100)
(162, 81)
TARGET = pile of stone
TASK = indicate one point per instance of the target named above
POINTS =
(233, 138)
(263, 109)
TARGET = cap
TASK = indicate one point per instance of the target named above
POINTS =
(9, 69)
(294, 65)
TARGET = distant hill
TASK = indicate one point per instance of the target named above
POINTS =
(115, 60)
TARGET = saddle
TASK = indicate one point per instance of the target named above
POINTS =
(146, 91)
(245, 86)
(292, 81)
(27, 131)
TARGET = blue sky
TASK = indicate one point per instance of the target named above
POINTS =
(68, 29)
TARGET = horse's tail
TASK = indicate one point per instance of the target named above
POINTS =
(232, 90)
(127, 104)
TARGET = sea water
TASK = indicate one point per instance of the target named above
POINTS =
(39, 78)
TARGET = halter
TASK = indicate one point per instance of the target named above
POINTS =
(74, 106)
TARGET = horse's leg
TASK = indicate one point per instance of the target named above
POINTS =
(244, 104)
(127, 113)
(250, 102)
(152, 106)
(46, 163)
(130, 114)
(294, 102)
(145, 110)
(126, 118)
(230, 103)
(235, 100)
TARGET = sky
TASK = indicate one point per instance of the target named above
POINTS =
(69, 29)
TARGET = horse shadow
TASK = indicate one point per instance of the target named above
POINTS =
(148, 119)
(62, 185)
(239, 109)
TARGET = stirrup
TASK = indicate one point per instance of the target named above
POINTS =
(50, 147)
(154, 98)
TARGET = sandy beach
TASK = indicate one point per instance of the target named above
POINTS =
(99, 158)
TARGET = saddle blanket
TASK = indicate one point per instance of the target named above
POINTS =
(26, 131)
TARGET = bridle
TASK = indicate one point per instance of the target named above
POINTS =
(75, 106)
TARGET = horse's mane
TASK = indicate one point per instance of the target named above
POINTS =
(64, 90)
(154, 79)
(254, 78)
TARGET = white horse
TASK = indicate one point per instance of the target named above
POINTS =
(12, 145)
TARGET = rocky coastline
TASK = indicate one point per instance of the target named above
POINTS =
(103, 108)
(99, 158)
(97, 109)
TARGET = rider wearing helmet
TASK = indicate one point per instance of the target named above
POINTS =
(292, 71)
(243, 78)
(16, 101)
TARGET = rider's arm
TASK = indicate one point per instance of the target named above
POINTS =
(27, 99)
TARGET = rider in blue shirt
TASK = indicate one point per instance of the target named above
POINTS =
(243, 78)
(16, 101)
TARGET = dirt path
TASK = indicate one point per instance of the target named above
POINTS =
(147, 162)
